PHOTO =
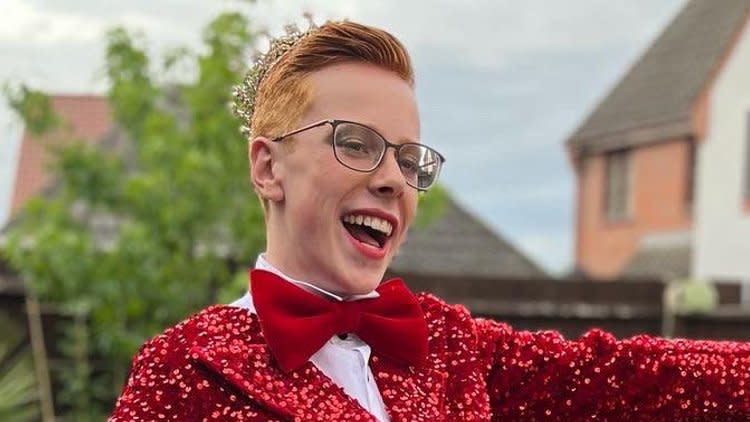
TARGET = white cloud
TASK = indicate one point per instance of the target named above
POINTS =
(35, 26)
(485, 32)
(489, 32)
(278, 13)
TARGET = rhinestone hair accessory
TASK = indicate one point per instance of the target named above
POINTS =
(245, 93)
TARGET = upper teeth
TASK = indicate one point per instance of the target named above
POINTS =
(366, 220)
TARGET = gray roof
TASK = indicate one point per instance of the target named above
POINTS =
(458, 244)
(653, 101)
(664, 255)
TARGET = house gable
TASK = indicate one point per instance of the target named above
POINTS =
(659, 98)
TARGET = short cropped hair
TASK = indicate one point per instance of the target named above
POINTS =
(283, 96)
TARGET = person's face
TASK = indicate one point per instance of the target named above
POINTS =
(317, 220)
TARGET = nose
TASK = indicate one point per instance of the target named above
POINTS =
(387, 179)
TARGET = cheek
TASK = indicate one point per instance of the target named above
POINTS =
(317, 208)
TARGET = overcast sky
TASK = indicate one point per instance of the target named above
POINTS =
(500, 83)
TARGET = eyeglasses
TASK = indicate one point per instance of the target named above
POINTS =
(361, 148)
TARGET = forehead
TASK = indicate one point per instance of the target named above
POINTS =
(367, 94)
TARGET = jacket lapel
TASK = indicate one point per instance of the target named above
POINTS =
(409, 393)
(305, 393)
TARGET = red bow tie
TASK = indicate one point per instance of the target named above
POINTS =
(296, 323)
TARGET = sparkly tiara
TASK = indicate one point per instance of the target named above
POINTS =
(245, 93)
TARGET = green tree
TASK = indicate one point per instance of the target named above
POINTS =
(140, 233)
(152, 225)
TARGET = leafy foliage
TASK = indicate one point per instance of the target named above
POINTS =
(431, 205)
(18, 396)
(692, 296)
(34, 106)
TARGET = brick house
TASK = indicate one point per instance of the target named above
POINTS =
(663, 161)
(455, 243)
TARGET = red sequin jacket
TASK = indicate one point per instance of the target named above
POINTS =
(215, 366)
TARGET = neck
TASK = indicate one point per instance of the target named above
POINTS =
(263, 263)
(267, 262)
(289, 263)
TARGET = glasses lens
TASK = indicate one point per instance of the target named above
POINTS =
(420, 165)
(360, 148)
(357, 147)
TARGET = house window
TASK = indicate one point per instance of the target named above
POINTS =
(617, 192)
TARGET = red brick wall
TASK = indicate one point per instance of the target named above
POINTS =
(658, 190)
(86, 117)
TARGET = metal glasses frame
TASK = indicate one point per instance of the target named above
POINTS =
(397, 147)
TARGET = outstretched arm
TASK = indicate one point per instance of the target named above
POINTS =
(542, 376)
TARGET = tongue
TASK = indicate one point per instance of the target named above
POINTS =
(359, 233)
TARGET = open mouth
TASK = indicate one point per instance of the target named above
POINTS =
(370, 230)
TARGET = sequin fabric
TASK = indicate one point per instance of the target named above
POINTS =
(215, 366)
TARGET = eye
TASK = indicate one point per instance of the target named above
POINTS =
(409, 163)
(353, 145)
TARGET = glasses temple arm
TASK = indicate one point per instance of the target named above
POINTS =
(302, 129)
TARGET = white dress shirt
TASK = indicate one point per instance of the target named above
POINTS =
(344, 361)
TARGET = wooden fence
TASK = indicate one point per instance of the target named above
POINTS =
(623, 307)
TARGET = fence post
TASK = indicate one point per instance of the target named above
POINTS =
(39, 352)
(745, 293)
(669, 298)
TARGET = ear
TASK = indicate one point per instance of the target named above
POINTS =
(264, 171)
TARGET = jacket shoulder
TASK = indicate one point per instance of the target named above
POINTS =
(451, 327)
(164, 378)
(215, 324)
(436, 308)
(455, 349)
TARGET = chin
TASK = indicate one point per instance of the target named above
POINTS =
(367, 283)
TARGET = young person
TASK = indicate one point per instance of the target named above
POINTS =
(336, 158)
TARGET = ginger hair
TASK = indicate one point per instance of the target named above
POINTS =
(283, 96)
